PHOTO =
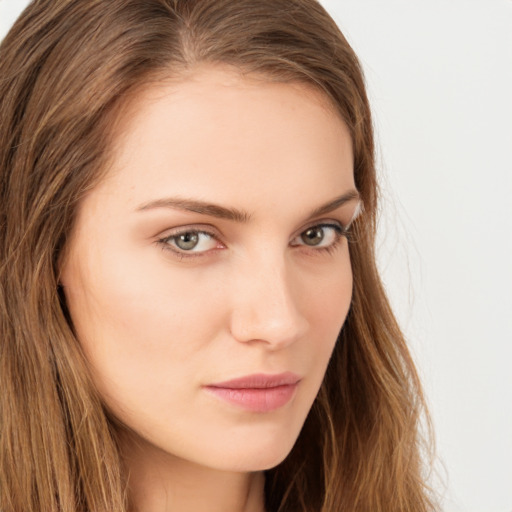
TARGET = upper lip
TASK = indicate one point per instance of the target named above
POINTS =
(259, 381)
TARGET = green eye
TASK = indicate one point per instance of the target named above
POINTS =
(186, 241)
(194, 242)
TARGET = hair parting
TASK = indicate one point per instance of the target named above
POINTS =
(68, 70)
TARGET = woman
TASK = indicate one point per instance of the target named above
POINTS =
(191, 315)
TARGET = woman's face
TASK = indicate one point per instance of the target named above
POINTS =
(208, 275)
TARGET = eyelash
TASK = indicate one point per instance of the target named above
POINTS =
(340, 233)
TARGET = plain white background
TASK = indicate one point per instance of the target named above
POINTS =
(439, 75)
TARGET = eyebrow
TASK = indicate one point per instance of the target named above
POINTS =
(234, 214)
(196, 206)
(352, 195)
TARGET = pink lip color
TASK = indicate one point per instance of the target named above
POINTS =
(257, 393)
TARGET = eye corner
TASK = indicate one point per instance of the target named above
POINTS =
(191, 240)
(326, 242)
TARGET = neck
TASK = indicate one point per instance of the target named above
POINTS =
(160, 482)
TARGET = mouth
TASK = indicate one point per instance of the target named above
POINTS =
(258, 392)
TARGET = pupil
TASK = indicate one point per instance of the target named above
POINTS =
(187, 241)
(313, 236)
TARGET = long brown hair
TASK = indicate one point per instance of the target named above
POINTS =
(67, 68)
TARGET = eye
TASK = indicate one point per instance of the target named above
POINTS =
(320, 236)
(190, 241)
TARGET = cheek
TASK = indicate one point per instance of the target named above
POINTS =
(140, 326)
(326, 302)
(154, 332)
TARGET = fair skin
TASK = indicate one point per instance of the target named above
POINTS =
(169, 296)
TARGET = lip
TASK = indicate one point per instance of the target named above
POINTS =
(258, 392)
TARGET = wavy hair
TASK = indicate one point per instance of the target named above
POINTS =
(67, 69)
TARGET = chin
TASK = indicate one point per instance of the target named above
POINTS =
(256, 454)
(262, 462)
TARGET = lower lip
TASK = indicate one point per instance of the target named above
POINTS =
(256, 399)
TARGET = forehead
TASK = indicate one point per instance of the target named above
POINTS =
(222, 136)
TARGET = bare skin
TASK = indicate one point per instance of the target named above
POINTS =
(194, 487)
(171, 296)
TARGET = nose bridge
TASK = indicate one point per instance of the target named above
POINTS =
(266, 303)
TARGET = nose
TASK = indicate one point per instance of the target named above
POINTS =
(265, 309)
